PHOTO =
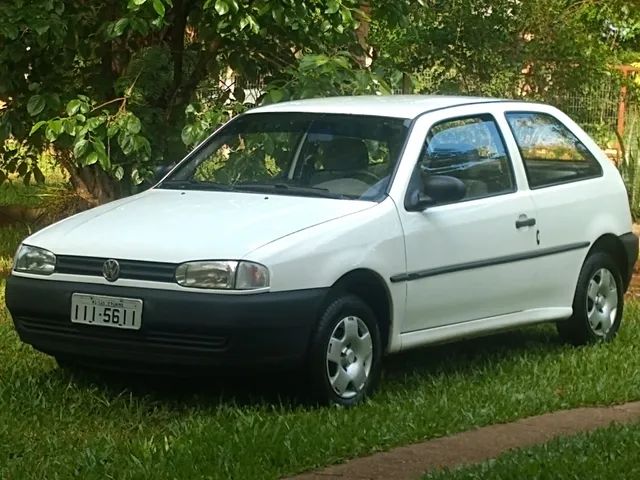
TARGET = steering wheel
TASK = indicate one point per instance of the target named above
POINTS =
(365, 175)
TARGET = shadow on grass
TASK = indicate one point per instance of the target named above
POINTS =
(288, 389)
(476, 353)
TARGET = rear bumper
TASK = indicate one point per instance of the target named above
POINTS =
(630, 243)
(179, 329)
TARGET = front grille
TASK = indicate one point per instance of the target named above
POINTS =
(186, 342)
(132, 269)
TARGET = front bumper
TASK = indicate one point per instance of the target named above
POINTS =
(180, 330)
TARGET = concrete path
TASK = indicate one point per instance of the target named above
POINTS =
(475, 446)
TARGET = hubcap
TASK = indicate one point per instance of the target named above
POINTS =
(349, 356)
(602, 302)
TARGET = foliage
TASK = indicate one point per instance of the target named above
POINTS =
(501, 48)
(110, 84)
(630, 169)
(111, 89)
(324, 75)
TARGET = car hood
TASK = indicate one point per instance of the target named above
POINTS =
(177, 226)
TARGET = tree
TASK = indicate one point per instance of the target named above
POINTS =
(498, 47)
(107, 87)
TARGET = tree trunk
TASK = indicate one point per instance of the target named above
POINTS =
(91, 184)
(363, 57)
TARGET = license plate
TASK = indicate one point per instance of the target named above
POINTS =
(106, 311)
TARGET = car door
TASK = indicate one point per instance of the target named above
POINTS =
(569, 192)
(466, 260)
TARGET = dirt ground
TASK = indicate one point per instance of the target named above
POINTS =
(634, 287)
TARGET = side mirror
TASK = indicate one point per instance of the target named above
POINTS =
(436, 189)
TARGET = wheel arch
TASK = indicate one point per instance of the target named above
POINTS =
(373, 290)
(611, 244)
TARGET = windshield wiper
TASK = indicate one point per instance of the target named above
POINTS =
(195, 185)
(291, 189)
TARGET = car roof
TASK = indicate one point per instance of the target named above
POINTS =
(399, 106)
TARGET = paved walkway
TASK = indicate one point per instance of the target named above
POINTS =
(475, 446)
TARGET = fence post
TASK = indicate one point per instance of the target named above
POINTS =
(622, 103)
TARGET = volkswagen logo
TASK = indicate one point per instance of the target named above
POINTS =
(111, 270)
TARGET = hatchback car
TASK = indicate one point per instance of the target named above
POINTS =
(323, 234)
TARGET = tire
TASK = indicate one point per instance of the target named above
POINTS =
(597, 303)
(345, 353)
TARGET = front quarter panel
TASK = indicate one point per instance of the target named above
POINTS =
(319, 256)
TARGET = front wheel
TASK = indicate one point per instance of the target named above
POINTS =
(345, 354)
(597, 304)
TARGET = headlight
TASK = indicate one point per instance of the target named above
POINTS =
(34, 260)
(227, 275)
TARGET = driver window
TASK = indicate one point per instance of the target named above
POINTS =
(471, 150)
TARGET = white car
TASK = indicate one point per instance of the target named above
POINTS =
(323, 234)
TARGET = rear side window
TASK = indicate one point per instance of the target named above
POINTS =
(550, 152)
(470, 149)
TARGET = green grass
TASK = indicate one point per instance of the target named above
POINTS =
(606, 453)
(10, 237)
(16, 193)
(55, 425)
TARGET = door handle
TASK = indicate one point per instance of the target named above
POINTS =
(524, 221)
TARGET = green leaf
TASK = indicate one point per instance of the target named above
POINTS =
(136, 178)
(80, 148)
(276, 95)
(119, 26)
(126, 142)
(133, 124)
(139, 2)
(118, 173)
(73, 106)
(189, 134)
(142, 145)
(54, 129)
(95, 122)
(37, 126)
(140, 25)
(222, 7)
(90, 159)
(158, 6)
(69, 125)
(36, 105)
(101, 151)
(332, 7)
(112, 129)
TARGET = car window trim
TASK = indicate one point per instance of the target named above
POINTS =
(524, 163)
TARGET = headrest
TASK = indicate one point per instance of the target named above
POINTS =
(346, 154)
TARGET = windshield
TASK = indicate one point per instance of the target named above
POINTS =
(310, 154)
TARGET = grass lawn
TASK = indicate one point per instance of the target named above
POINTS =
(57, 425)
(606, 453)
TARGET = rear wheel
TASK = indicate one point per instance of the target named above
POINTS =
(344, 361)
(597, 304)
